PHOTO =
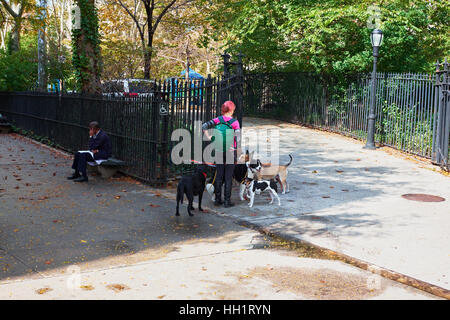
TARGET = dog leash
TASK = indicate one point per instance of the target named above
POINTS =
(210, 165)
(205, 163)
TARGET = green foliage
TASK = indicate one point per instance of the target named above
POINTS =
(60, 68)
(403, 133)
(18, 70)
(330, 36)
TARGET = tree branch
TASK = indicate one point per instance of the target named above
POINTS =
(161, 15)
(9, 9)
(138, 26)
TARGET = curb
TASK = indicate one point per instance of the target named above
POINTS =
(386, 273)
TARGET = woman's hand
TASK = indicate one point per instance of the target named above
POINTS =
(207, 135)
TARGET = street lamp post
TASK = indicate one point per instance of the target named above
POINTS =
(376, 38)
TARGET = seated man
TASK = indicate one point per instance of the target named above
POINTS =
(99, 149)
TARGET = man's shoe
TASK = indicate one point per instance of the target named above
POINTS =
(74, 176)
(228, 204)
(218, 202)
(81, 179)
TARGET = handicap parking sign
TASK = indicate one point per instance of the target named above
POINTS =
(163, 108)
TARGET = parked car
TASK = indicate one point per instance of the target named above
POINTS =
(129, 87)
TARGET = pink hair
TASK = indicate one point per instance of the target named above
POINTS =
(228, 106)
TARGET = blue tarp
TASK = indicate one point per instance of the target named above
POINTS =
(192, 74)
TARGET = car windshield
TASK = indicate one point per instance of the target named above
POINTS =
(113, 86)
(141, 86)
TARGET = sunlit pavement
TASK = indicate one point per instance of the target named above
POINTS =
(117, 238)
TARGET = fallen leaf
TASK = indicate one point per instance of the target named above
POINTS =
(117, 287)
(43, 290)
(87, 287)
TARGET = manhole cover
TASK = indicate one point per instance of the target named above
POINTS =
(422, 197)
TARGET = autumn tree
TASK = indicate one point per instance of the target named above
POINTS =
(154, 13)
(16, 9)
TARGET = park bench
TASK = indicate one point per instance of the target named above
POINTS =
(5, 126)
(107, 168)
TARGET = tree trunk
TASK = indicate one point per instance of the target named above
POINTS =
(87, 59)
(42, 48)
(147, 62)
(148, 53)
(15, 35)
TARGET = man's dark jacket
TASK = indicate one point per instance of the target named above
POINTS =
(101, 143)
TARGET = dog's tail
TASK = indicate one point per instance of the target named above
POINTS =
(180, 193)
(290, 161)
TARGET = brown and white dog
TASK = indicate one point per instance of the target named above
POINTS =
(277, 172)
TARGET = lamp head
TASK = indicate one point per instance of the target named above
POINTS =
(376, 37)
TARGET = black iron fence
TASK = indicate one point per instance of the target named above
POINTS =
(140, 127)
(406, 106)
(413, 112)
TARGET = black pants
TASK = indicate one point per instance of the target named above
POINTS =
(224, 175)
(80, 162)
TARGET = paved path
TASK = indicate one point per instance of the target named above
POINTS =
(348, 199)
(118, 239)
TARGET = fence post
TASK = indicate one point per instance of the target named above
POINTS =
(445, 115)
(208, 92)
(441, 135)
(164, 139)
(240, 88)
(226, 64)
(434, 157)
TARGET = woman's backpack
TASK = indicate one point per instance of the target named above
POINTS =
(227, 134)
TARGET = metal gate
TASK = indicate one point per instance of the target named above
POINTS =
(440, 155)
(188, 101)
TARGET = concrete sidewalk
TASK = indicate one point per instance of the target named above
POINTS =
(342, 198)
(349, 200)
(118, 239)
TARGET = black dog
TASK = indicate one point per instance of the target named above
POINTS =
(192, 185)
(239, 174)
